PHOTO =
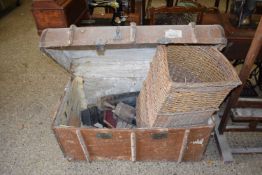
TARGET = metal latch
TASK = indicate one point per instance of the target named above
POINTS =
(71, 35)
(161, 135)
(100, 47)
(132, 32)
(193, 32)
(164, 40)
(117, 34)
(104, 135)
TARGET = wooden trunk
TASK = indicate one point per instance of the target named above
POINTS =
(140, 144)
(57, 13)
(112, 60)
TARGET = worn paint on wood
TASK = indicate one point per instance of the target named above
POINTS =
(107, 143)
(197, 142)
(72, 103)
(164, 146)
(69, 143)
(118, 71)
(144, 35)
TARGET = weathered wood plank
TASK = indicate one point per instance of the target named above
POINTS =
(202, 34)
(249, 103)
(184, 144)
(159, 145)
(247, 114)
(222, 144)
(82, 144)
(115, 63)
(242, 128)
(115, 144)
(62, 115)
(197, 141)
(133, 146)
(246, 150)
(118, 71)
(76, 102)
(69, 143)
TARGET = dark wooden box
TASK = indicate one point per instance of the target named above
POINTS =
(57, 13)
(122, 68)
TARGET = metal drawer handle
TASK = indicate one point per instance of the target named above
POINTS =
(104, 135)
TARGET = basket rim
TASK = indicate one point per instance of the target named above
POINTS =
(233, 82)
(220, 84)
(188, 112)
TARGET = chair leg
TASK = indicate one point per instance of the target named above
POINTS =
(18, 3)
(217, 3)
(176, 1)
(227, 3)
(149, 4)
(169, 3)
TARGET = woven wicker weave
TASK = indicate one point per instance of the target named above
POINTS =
(141, 108)
(184, 86)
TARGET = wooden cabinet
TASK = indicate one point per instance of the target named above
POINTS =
(7, 5)
(57, 13)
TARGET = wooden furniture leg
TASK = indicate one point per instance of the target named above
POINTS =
(227, 4)
(169, 3)
(233, 101)
(244, 75)
(143, 12)
(217, 3)
(18, 2)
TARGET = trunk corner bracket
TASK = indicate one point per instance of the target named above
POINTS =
(100, 47)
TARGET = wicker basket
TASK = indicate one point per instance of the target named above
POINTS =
(184, 86)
